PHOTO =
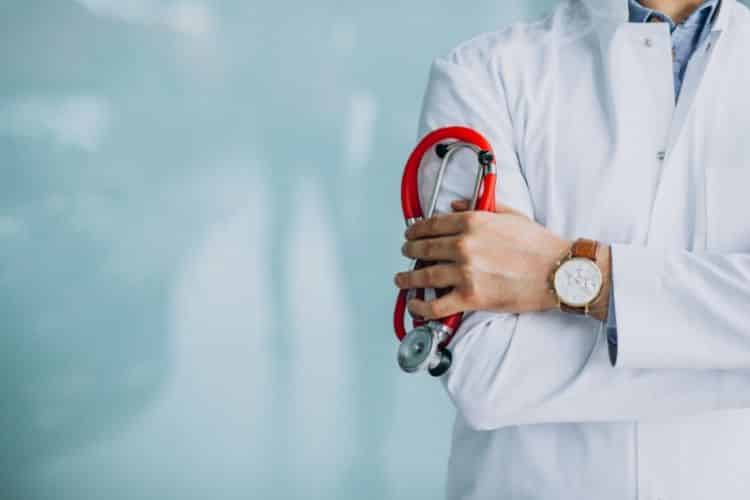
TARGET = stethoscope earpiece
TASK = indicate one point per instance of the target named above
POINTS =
(441, 150)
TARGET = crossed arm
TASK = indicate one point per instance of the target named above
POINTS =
(493, 261)
(518, 361)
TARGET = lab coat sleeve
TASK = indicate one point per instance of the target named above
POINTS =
(680, 309)
(548, 367)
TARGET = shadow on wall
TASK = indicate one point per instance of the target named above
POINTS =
(130, 348)
(81, 350)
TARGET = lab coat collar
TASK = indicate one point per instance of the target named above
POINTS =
(609, 16)
(616, 11)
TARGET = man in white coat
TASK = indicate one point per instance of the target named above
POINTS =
(623, 153)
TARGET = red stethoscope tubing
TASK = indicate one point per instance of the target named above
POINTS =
(412, 208)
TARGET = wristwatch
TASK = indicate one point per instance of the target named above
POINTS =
(577, 279)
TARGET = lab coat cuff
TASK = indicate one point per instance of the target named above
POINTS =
(638, 289)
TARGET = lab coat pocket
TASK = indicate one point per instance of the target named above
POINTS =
(728, 208)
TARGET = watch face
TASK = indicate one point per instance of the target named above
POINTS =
(578, 281)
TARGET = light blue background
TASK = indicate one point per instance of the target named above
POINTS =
(199, 224)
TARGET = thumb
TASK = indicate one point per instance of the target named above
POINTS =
(460, 205)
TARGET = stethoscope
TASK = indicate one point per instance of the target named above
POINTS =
(425, 346)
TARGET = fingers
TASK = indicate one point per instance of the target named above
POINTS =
(438, 276)
(434, 249)
(460, 205)
(447, 305)
(439, 225)
(461, 221)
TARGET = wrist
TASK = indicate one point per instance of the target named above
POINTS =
(580, 281)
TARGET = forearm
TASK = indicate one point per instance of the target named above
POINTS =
(681, 309)
(554, 367)
(682, 321)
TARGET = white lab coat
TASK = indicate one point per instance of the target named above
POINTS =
(580, 110)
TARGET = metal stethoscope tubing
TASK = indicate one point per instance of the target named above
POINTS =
(425, 346)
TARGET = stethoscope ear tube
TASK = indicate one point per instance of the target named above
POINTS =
(410, 204)
(398, 314)
(445, 142)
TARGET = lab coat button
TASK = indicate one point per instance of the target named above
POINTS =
(648, 42)
(661, 155)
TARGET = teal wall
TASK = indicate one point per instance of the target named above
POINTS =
(199, 222)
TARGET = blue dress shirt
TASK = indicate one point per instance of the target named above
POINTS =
(686, 37)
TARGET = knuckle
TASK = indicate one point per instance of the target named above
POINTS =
(465, 274)
(430, 274)
(434, 310)
(472, 220)
(468, 289)
(468, 221)
(428, 249)
(468, 286)
(463, 247)
(406, 249)
(406, 280)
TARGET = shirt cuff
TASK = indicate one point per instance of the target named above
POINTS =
(612, 327)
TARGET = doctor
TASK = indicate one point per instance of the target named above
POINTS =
(622, 136)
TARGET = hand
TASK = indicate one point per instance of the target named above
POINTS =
(493, 261)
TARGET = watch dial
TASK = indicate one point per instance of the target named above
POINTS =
(578, 281)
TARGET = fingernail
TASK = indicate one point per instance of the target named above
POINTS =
(410, 308)
(397, 279)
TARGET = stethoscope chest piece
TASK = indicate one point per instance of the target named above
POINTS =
(416, 350)
(420, 350)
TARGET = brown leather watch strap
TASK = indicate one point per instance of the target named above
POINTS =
(584, 248)
(571, 309)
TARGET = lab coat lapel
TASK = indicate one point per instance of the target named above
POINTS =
(707, 65)
(696, 73)
(707, 60)
(635, 55)
(651, 44)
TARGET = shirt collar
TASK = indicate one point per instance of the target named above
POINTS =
(639, 13)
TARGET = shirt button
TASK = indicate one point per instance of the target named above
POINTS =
(661, 155)
(648, 42)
